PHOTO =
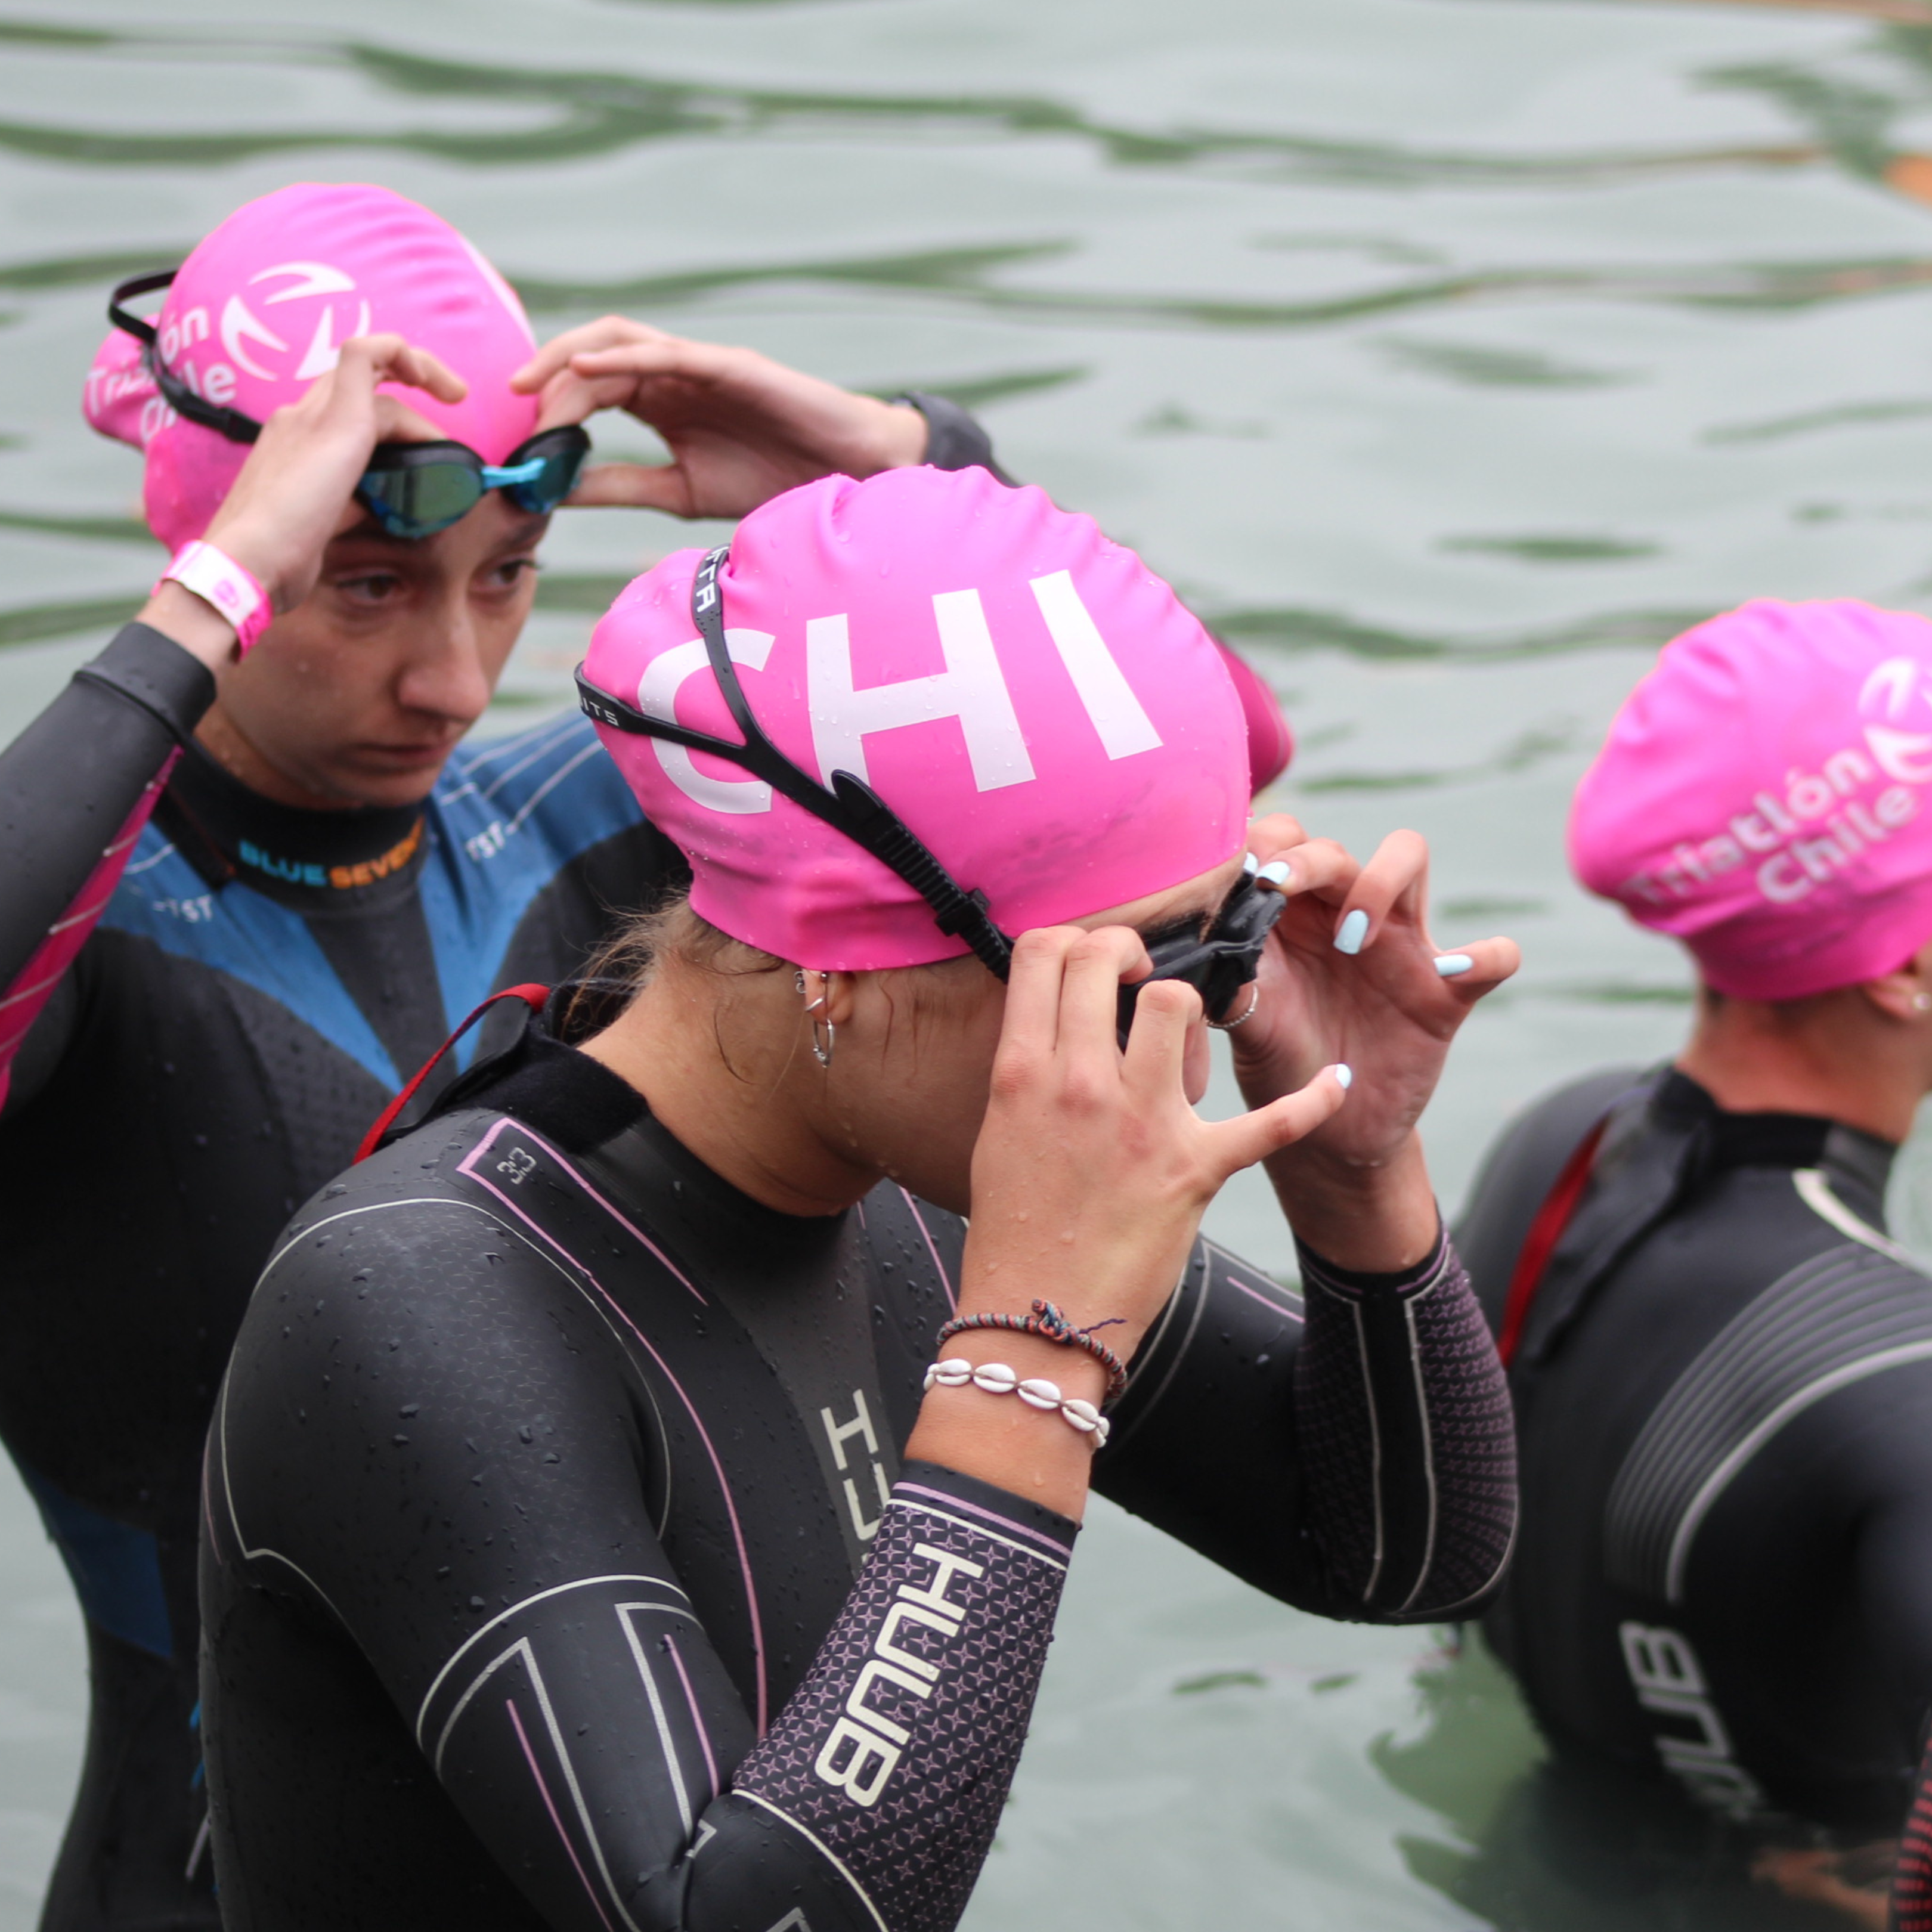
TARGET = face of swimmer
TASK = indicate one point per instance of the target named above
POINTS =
(358, 695)
(912, 1058)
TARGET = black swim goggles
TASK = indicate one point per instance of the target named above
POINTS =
(412, 489)
(1217, 965)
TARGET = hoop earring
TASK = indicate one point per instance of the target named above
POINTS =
(823, 1055)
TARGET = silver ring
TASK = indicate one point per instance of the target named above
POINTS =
(1254, 1001)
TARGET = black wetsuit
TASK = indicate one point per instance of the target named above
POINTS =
(210, 1006)
(1722, 1387)
(563, 1568)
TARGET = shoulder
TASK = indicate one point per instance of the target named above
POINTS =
(554, 778)
(1523, 1164)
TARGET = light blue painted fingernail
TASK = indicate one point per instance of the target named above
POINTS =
(1277, 873)
(1355, 930)
(1449, 964)
(1344, 1076)
(1249, 863)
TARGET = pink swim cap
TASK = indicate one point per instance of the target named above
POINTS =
(1761, 795)
(1030, 699)
(260, 309)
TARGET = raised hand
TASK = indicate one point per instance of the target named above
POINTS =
(1352, 974)
(298, 488)
(740, 428)
(1090, 1177)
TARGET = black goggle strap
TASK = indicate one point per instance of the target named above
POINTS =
(230, 423)
(850, 806)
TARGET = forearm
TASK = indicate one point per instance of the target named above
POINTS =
(76, 787)
(1405, 1432)
(907, 1728)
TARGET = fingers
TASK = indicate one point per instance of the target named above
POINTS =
(1096, 963)
(1399, 869)
(1030, 1027)
(371, 359)
(1062, 996)
(1239, 1143)
(1473, 970)
(640, 486)
(606, 332)
(1157, 1041)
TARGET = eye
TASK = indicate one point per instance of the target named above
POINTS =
(371, 588)
(503, 579)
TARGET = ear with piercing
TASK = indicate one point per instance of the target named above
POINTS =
(821, 1052)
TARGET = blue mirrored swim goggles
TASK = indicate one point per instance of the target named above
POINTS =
(412, 489)
(1217, 963)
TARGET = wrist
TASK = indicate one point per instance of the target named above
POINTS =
(183, 618)
(901, 440)
(1373, 1218)
(226, 585)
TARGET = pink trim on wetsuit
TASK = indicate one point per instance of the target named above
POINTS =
(22, 1002)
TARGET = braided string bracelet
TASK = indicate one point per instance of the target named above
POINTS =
(997, 1379)
(1050, 1325)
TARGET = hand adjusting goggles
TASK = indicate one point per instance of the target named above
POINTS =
(1217, 965)
(412, 489)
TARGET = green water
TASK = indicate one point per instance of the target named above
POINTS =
(1448, 353)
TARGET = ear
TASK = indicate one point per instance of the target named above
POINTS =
(1906, 995)
(841, 995)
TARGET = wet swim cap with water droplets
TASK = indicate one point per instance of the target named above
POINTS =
(261, 309)
(1037, 706)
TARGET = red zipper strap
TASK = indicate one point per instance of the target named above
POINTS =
(1545, 1231)
(532, 996)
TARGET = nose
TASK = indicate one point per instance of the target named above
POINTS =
(445, 675)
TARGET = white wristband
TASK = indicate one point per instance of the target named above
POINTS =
(230, 590)
(997, 1379)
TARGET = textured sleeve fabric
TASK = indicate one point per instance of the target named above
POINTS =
(1349, 1450)
(76, 787)
(426, 1448)
(1911, 1881)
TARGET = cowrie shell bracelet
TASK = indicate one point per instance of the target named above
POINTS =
(997, 1379)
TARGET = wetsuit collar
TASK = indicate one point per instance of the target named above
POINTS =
(1664, 1139)
(1728, 1140)
(316, 860)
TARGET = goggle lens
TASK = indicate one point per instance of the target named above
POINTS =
(414, 489)
(424, 498)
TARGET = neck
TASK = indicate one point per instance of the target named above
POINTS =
(1835, 1057)
(225, 742)
(721, 1070)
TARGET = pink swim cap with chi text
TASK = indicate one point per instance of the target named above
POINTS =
(1763, 796)
(1034, 702)
(262, 308)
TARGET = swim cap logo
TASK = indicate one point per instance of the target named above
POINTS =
(240, 325)
(1889, 691)
(1802, 832)
(971, 690)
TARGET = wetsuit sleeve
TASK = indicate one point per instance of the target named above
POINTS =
(955, 439)
(458, 1481)
(1912, 1878)
(76, 787)
(1349, 1450)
